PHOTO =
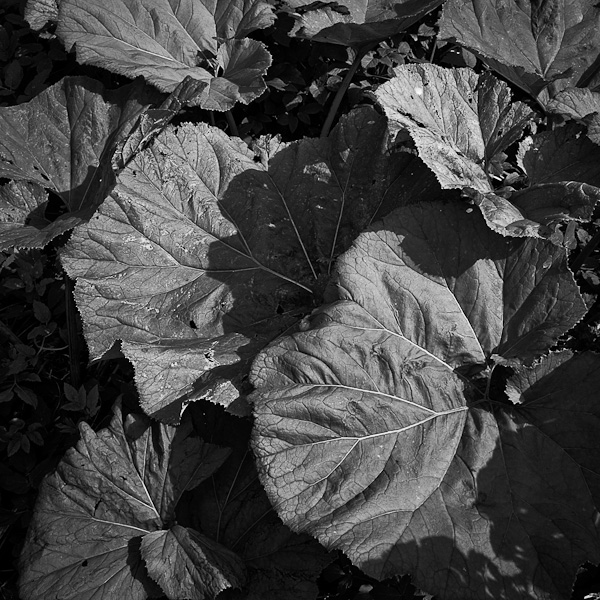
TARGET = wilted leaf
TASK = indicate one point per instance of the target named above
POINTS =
(201, 242)
(165, 42)
(357, 23)
(458, 120)
(115, 487)
(378, 432)
(62, 140)
(533, 44)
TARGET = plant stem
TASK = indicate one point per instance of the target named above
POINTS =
(361, 51)
(232, 125)
(585, 252)
(72, 334)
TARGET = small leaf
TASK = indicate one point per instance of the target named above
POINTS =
(187, 564)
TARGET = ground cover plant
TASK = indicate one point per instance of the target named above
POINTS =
(347, 253)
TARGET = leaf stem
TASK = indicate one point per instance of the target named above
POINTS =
(360, 52)
(232, 124)
(585, 252)
(72, 334)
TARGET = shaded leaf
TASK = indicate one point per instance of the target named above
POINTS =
(187, 564)
(563, 154)
(62, 140)
(233, 508)
(533, 44)
(458, 120)
(376, 433)
(206, 248)
(537, 210)
(357, 23)
(581, 104)
(166, 42)
(115, 487)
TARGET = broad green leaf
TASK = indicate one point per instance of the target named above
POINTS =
(537, 210)
(232, 507)
(63, 140)
(166, 41)
(187, 564)
(356, 22)
(378, 431)
(458, 120)
(533, 44)
(112, 489)
(206, 251)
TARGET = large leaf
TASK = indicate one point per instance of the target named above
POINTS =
(62, 140)
(203, 253)
(357, 22)
(379, 432)
(114, 488)
(533, 44)
(166, 41)
(458, 120)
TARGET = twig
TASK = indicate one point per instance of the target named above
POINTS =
(344, 86)
(72, 334)
(585, 252)
(232, 125)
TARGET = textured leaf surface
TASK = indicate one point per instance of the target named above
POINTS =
(165, 42)
(200, 242)
(233, 508)
(38, 12)
(116, 486)
(62, 140)
(458, 120)
(187, 564)
(553, 41)
(357, 22)
(374, 435)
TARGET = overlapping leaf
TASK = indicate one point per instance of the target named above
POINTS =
(203, 253)
(63, 141)
(357, 23)
(233, 508)
(458, 120)
(165, 42)
(375, 429)
(87, 537)
(533, 44)
(581, 104)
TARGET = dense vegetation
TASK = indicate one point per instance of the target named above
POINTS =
(299, 299)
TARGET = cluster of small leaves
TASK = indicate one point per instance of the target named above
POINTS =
(392, 301)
